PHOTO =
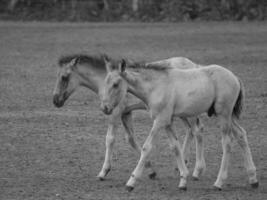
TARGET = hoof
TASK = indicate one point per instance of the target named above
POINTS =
(217, 188)
(195, 178)
(255, 185)
(101, 178)
(129, 188)
(152, 176)
(107, 171)
(184, 188)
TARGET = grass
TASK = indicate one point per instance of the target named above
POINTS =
(49, 153)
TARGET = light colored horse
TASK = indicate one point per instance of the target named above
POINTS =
(170, 92)
(90, 71)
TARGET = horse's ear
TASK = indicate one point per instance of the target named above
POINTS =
(105, 58)
(73, 62)
(107, 62)
(122, 66)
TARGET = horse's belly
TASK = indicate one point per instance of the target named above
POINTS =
(195, 100)
(194, 108)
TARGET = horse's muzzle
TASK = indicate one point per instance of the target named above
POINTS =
(106, 109)
(57, 101)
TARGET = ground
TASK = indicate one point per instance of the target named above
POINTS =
(50, 153)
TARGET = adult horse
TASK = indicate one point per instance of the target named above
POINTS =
(90, 71)
(170, 92)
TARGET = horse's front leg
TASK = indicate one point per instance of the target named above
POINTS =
(147, 147)
(127, 122)
(110, 140)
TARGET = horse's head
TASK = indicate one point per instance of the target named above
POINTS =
(67, 82)
(115, 87)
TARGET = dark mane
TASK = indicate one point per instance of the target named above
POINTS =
(95, 61)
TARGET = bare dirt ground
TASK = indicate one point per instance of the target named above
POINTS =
(49, 153)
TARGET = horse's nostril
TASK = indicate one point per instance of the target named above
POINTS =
(65, 95)
(106, 109)
(56, 101)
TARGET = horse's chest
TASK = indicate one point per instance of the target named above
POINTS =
(159, 100)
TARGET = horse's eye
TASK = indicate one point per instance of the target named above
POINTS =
(116, 85)
(65, 78)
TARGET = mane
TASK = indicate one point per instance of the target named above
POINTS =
(93, 60)
(144, 66)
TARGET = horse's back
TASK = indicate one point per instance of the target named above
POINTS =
(200, 88)
(175, 62)
(220, 75)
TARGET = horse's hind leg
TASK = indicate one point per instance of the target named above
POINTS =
(227, 146)
(187, 140)
(110, 139)
(200, 166)
(241, 136)
(128, 125)
(195, 130)
(176, 148)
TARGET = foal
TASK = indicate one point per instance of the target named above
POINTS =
(90, 71)
(170, 92)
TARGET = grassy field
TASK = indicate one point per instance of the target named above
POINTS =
(49, 153)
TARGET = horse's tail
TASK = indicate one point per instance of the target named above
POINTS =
(240, 101)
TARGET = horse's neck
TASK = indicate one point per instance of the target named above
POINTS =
(92, 79)
(137, 86)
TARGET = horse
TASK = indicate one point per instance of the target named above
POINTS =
(89, 71)
(171, 92)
